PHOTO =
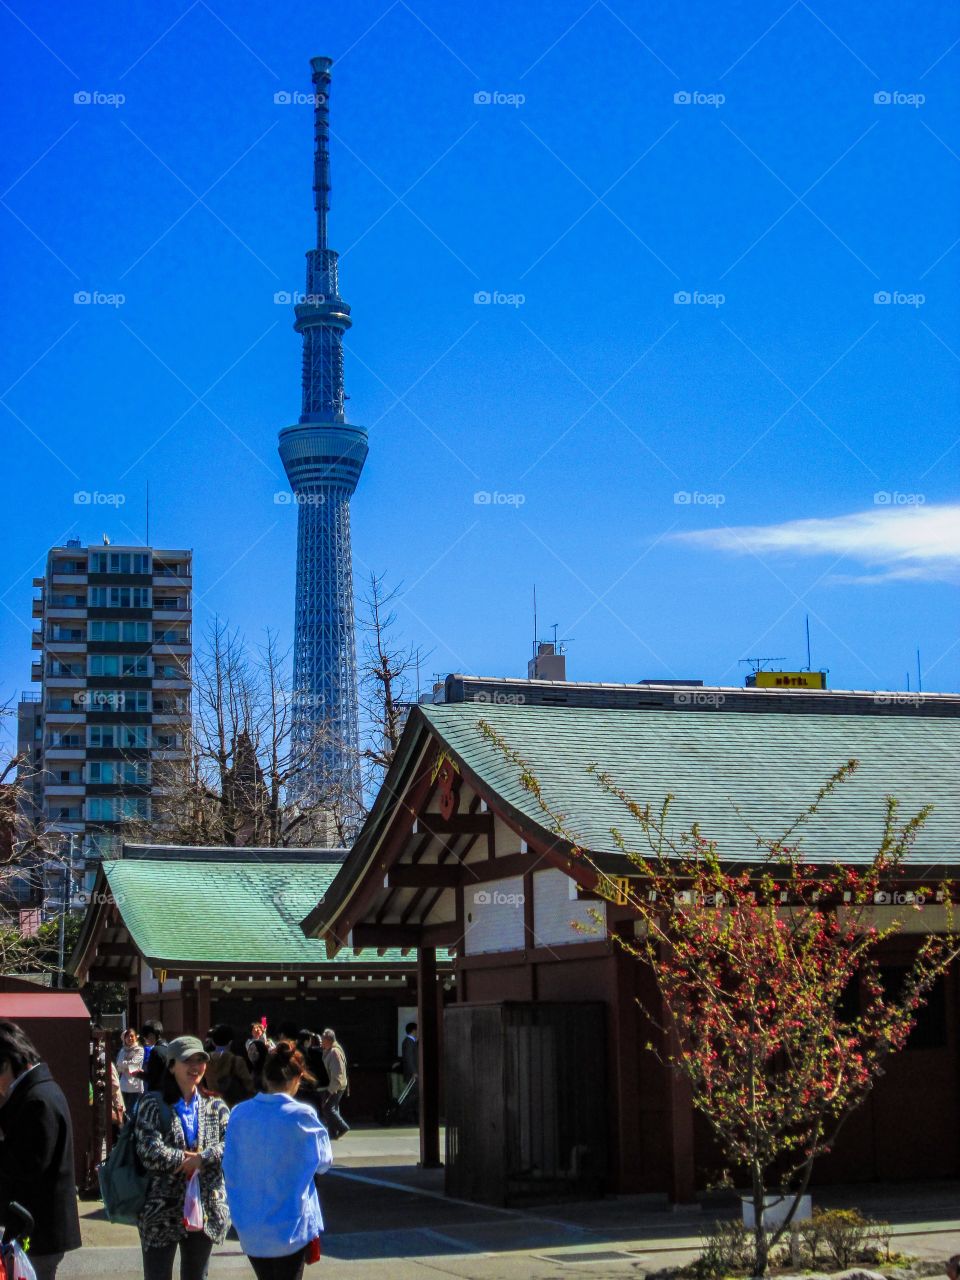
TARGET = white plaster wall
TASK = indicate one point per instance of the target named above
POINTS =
(555, 906)
(493, 916)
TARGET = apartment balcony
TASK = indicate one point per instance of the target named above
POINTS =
(39, 582)
(36, 670)
(64, 681)
(68, 579)
(69, 790)
(36, 640)
(55, 646)
(52, 753)
(36, 607)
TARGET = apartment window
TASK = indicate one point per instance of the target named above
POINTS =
(120, 562)
(118, 735)
(171, 671)
(171, 637)
(119, 664)
(72, 634)
(117, 808)
(106, 629)
(117, 700)
(120, 597)
(69, 777)
(135, 773)
(64, 739)
(167, 741)
(61, 704)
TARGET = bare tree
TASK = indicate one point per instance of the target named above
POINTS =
(388, 684)
(237, 776)
(28, 852)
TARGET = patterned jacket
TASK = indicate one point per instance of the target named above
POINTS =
(161, 1147)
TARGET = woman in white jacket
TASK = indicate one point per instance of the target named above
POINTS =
(274, 1147)
(130, 1069)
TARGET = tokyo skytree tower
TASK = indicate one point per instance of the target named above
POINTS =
(323, 456)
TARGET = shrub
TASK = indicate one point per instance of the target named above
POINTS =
(727, 1247)
(844, 1234)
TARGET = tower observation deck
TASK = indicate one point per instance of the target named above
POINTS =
(323, 456)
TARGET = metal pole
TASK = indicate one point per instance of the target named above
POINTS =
(67, 873)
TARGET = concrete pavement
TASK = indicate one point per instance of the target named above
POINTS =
(386, 1217)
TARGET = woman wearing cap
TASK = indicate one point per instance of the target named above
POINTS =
(275, 1145)
(181, 1131)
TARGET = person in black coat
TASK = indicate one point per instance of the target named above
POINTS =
(36, 1151)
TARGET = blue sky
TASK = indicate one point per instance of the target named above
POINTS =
(683, 480)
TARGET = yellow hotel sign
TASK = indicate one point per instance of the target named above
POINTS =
(790, 680)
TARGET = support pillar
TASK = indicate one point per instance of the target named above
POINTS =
(681, 1138)
(428, 1023)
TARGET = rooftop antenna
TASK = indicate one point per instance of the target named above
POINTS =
(558, 645)
(148, 514)
(758, 663)
(919, 676)
(808, 666)
(534, 619)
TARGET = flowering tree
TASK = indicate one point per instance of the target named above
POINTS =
(754, 959)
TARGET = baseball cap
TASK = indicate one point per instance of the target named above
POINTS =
(184, 1047)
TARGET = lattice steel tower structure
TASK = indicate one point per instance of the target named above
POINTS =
(323, 456)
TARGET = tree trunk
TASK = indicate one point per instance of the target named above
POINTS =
(759, 1226)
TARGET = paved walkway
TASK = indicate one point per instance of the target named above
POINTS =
(386, 1217)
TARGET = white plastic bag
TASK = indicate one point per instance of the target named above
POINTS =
(22, 1266)
(192, 1208)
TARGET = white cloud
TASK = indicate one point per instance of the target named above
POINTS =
(897, 542)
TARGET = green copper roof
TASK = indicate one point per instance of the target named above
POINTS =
(231, 912)
(768, 765)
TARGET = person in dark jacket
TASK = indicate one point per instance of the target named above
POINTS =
(36, 1151)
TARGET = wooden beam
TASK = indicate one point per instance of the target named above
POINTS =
(406, 935)
(116, 949)
(460, 824)
(385, 935)
(424, 875)
(101, 974)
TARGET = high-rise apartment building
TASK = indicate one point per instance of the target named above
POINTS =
(114, 646)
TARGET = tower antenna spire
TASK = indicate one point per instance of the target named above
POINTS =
(321, 145)
(323, 456)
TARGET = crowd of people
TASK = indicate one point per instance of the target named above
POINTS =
(227, 1129)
